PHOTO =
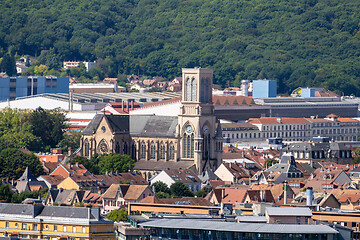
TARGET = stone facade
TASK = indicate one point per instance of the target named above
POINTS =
(191, 140)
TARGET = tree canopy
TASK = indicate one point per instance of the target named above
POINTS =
(116, 162)
(298, 43)
(37, 130)
(13, 163)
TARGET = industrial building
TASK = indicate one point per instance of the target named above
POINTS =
(14, 87)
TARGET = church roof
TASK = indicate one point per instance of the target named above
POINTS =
(136, 125)
(153, 126)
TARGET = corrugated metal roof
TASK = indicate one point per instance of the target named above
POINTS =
(239, 227)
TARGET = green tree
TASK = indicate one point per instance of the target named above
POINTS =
(5, 192)
(355, 160)
(270, 162)
(118, 215)
(13, 163)
(179, 189)
(204, 191)
(161, 190)
(116, 162)
(48, 126)
(70, 139)
(41, 70)
(8, 65)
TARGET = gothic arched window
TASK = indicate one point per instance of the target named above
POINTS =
(143, 150)
(188, 142)
(117, 148)
(172, 151)
(193, 90)
(162, 151)
(152, 150)
(188, 89)
(133, 150)
(125, 148)
(206, 142)
(86, 148)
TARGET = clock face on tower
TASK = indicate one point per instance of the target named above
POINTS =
(189, 129)
(206, 129)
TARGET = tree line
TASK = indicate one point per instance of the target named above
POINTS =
(298, 43)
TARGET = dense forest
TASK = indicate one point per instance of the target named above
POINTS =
(296, 42)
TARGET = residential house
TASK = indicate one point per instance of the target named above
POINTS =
(277, 190)
(174, 88)
(227, 195)
(325, 180)
(118, 195)
(94, 183)
(27, 182)
(259, 196)
(232, 172)
(132, 78)
(186, 176)
(350, 201)
(287, 165)
(64, 197)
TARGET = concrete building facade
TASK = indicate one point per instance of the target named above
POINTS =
(14, 87)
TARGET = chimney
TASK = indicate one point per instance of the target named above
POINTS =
(309, 196)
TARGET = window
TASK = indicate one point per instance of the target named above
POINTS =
(7, 224)
(297, 220)
(64, 229)
(48, 82)
(193, 90)
(188, 89)
(172, 151)
(84, 229)
(152, 150)
(54, 83)
(74, 229)
(24, 226)
(87, 145)
(35, 227)
(188, 144)
(162, 151)
(143, 150)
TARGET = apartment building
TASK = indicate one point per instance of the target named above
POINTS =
(292, 129)
(37, 221)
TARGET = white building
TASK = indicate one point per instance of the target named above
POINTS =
(186, 176)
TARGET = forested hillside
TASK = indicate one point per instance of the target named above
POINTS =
(297, 42)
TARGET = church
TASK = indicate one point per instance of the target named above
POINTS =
(190, 140)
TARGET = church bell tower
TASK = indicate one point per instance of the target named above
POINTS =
(200, 133)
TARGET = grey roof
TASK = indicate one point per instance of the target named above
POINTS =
(17, 209)
(65, 212)
(153, 126)
(239, 227)
(162, 165)
(309, 146)
(289, 211)
(136, 125)
(27, 175)
(93, 125)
